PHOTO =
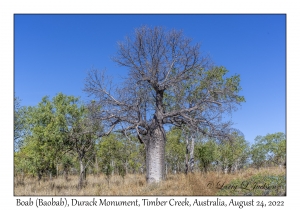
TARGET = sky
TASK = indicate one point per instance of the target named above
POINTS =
(52, 54)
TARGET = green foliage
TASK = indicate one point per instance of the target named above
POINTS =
(20, 128)
(206, 153)
(39, 152)
(220, 86)
(109, 152)
(269, 149)
(49, 125)
(206, 84)
(133, 154)
(67, 162)
(175, 149)
(233, 152)
(23, 163)
(119, 154)
(18, 124)
(258, 155)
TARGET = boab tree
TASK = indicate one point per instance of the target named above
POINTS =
(169, 82)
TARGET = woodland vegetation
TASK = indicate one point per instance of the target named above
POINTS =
(55, 142)
(165, 119)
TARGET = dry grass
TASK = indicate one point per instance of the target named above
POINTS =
(135, 184)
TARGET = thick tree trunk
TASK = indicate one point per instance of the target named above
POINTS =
(155, 156)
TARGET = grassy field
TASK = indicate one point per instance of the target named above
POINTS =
(135, 184)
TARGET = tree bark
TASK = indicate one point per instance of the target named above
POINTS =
(166, 169)
(189, 154)
(113, 167)
(39, 175)
(57, 170)
(81, 176)
(187, 157)
(66, 174)
(96, 165)
(155, 159)
(126, 167)
(192, 146)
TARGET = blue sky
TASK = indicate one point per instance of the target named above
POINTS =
(52, 54)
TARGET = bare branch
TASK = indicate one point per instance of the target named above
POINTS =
(169, 81)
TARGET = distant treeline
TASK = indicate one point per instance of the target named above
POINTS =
(59, 137)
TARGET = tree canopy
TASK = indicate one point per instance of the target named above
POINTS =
(169, 82)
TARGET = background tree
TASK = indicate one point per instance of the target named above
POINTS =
(175, 150)
(191, 138)
(269, 149)
(81, 130)
(56, 128)
(109, 152)
(233, 153)
(67, 162)
(133, 154)
(206, 153)
(21, 131)
(258, 156)
(41, 145)
(163, 63)
(120, 155)
(19, 123)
